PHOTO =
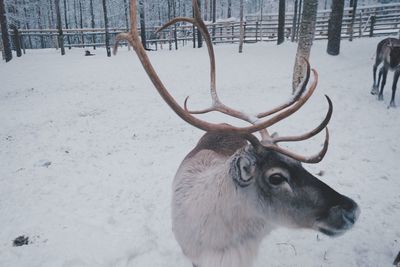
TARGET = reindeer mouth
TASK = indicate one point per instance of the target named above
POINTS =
(337, 221)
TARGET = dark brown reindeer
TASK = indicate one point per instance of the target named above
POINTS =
(388, 52)
(233, 189)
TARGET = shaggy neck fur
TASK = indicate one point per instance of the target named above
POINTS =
(225, 224)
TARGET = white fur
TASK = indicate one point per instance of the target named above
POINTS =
(215, 224)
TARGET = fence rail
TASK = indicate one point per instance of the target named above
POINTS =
(375, 20)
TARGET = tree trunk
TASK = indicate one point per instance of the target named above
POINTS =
(299, 19)
(66, 23)
(39, 21)
(294, 25)
(241, 38)
(353, 16)
(229, 9)
(16, 40)
(92, 23)
(199, 37)
(335, 27)
(81, 22)
(3, 55)
(261, 19)
(59, 27)
(26, 23)
(126, 8)
(205, 10)
(175, 26)
(214, 17)
(5, 35)
(106, 29)
(281, 22)
(51, 22)
(307, 31)
(142, 24)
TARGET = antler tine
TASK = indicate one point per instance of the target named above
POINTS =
(310, 159)
(298, 94)
(311, 133)
(260, 148)
(175, 20)
(120, 37)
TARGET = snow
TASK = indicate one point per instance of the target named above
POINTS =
(89, 150)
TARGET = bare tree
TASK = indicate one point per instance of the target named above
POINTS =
(214, 16)
(335, 27)
(59, 27)
(106, 29)
(92, 23)
(353, 4)
(199, 38)
(66, 23)
(294, 24)
(241, 38)
(4, 31)
(205, 10)
(39, 23)
(229, 13)
(306, 37)
(142, 23)
(281, 22)
(299, 19)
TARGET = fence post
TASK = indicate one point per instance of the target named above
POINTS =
(244, 31)
(371, 29)
(360, 25)
(256, 31)
(21, 40)
(16, 40)
(233, 33)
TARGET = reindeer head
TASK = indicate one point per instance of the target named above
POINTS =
(290, 195)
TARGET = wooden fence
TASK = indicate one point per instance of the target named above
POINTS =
(369, 21)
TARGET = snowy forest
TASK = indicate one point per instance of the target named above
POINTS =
(78, 14)
(202, 133)
(41, 14)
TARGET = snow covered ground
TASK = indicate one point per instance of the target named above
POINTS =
(88, 151)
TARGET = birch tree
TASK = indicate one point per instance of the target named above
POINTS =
(241, 38)
(4, 30)
(306, 37)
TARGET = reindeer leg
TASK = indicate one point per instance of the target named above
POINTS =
(379, 78)
(384, 74)
(375, 86)
(394, 87)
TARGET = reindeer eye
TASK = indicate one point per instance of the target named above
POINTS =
(277, 179)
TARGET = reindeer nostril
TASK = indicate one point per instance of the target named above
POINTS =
(348, 204)
(350, 210)
(350, 216)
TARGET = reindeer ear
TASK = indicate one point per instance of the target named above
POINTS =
(244, 169)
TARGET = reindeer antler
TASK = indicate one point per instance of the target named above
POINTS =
(281, 112)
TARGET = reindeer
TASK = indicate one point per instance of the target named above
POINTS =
(388, 52)
(233, 189)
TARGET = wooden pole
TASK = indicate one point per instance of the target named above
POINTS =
(4, 31)
(59, 27)
(371, 29)
(353, 17)
(106, 29)
(16, 40)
